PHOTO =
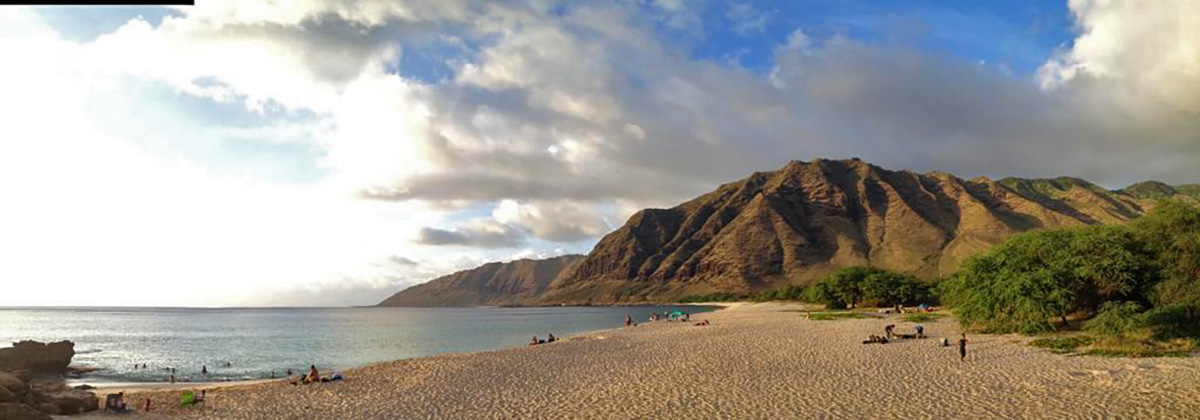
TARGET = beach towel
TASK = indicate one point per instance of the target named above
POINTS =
(188, 398)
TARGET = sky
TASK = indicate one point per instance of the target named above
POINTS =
(332, 152)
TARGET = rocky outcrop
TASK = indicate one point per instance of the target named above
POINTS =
(508, 283)
(37, 357)
(24, 396)
(12, 411)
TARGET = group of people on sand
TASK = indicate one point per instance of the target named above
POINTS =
(116, 403)
(682, 316)
(535, 341)
(314, 376)
(889, 334)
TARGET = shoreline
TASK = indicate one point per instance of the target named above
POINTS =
(113, 386)
(756, 360)
(101, 388)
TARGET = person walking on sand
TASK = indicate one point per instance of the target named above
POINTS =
(962, 347)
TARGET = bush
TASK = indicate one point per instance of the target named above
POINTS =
(1028, 281)
(852, 285)
(1170, 322)
(712, 297)
(791, 292)
(833, 316)
(1116, 319)
(1061, 344)
(922, 317)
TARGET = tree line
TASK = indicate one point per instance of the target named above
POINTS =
(1144, 276)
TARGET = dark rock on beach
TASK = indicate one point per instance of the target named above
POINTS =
(37, 357)
(24, 396)
(13, 411)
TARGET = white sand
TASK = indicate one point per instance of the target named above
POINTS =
(754, 361)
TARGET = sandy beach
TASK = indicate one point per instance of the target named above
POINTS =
(754, 361)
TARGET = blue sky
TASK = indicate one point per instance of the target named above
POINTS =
(292, 152)
(1015, 36)
(1020, 35)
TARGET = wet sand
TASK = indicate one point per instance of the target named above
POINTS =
(754, 361)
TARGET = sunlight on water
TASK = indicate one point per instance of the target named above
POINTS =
(238, 344)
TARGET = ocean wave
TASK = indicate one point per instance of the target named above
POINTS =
(88, 351)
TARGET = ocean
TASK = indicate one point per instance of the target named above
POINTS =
(254, 343)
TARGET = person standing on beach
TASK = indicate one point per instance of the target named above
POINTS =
(962, 347)
(204, 372)
(628, 320)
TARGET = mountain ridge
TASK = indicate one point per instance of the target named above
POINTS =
(795, 224)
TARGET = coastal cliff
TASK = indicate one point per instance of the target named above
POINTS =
(496, 283)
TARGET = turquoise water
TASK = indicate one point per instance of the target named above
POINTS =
(237, 344)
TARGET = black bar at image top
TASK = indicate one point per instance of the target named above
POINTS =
(97, 3)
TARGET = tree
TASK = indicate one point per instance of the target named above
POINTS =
(1172, 233)
(888, 288)
(853, 285)
(1023, 283)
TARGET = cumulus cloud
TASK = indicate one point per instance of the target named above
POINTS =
(479, 233)
(554, 221)
(563, 118)
(401, 261)
(747, 19)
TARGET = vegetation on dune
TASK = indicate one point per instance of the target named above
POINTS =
(836, 315)
(714, 297)
(1138, 285)
(923, 317)
(1066, 344)
(848, 287)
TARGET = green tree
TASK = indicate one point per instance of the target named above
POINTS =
(1172, 233)
(1023, 283)
(887, 288)
(851, 286)
(1116, 319)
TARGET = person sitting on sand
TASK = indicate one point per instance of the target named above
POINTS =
(920, 331)
(875, 339)
(887, 331)
(313, 375)
(533, 341)
(551, 339)
(945, 342)
(120, 407)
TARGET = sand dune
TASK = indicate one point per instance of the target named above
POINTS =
(754, 361)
